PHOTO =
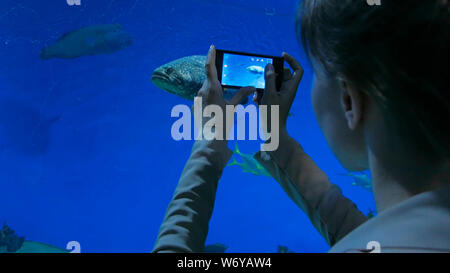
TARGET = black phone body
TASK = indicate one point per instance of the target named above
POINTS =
(238, 69)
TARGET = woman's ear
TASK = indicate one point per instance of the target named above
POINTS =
(352, 104)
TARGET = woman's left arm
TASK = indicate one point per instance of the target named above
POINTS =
(186, 222)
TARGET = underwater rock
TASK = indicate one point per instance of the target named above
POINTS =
(256, 69)
(249, 164)
(184, 77)
(215, 248)
(9, 240)
(91, 40)
(23, 128)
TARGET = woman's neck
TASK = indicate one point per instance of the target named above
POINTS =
(392, 186)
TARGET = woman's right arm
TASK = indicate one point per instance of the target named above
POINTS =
(331, 213)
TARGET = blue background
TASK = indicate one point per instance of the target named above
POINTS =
(111, 166)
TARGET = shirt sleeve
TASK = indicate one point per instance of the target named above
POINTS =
(185, 225)
(333, 215)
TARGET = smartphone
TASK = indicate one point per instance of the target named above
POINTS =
(238, 69)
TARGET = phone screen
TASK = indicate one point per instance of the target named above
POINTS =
(240, 70)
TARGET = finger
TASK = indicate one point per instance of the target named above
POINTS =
(287, 74)
(270, 78)
(210, 66)
(241, 95)
(204, 90)
(298, 70)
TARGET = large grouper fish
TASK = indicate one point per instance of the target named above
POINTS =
(91, 40)
(184, 77)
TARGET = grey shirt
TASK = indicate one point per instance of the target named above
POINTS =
(344, 227)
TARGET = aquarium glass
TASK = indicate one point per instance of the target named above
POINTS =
(87, 155)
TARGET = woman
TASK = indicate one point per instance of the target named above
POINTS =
(381, 98)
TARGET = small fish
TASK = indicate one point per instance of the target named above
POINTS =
(256, 69)
(360, 180)
(215, 248)
(184, 77)
(37, 247)
(91, 40)
(249, 163)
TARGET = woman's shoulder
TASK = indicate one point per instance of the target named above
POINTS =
(418, 224)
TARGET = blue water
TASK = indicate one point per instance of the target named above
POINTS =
(103, 165)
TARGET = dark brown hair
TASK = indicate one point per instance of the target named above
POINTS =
(397, 52)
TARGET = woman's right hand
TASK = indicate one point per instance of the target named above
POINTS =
(285, 97)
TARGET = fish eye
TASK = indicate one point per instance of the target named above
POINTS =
(170, 70)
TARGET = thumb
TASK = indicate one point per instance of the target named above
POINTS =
(241, 95)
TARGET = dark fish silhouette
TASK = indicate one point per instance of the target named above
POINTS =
(23, 128)
(92, 40)
(10, 242)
